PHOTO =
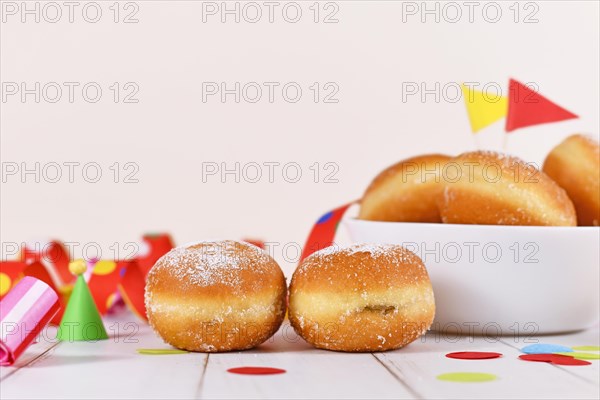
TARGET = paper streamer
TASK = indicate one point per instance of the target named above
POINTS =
(24, 312)
(323, 232)
(53, 253)
(107, 280)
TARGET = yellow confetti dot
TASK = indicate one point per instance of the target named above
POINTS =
(467, 377)
(582, 356)
(158, 352)
(104, 267)
(4, 283)
(586, 348)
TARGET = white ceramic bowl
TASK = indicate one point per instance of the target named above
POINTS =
(502, 280)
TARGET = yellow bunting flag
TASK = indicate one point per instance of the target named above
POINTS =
(483, 108)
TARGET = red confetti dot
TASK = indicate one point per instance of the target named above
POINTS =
(473, 355)
(557, 359)
(570, 361)
(256, 370)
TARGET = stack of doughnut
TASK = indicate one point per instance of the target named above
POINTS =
(489, 188)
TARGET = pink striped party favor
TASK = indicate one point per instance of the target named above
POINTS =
(24, 312)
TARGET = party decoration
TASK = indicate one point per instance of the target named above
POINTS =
(159, 352)
(257, 242)
(323, 232)
(553, 359)
(24, 312)
(109, 281)
(53, 255)
(586, 348)
(132, 287)
(543, 348)
(483, 109)
(526, 107)
(467, 377)
(256, 370)
(473, 355)
(153, 247)
(582, 355)
(81, 321)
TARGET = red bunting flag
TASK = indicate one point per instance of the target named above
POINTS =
(527, 107)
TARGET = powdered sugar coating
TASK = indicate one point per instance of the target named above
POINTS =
(363, 265)
(209, 263)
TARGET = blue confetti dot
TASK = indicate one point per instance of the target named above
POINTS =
(542, 348)
(325, 218)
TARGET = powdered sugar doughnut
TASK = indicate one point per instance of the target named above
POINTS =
(361, 298)
(495, 189)
(215, 296)
(575, 166)
(406, 191)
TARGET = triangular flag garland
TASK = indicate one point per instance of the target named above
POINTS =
(527, 107)
(523, 107)
(483, 109)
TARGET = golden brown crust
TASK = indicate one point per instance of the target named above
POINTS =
(406, 191)
(490, 188)
(215, 296)
(361, 298)
(575, 165)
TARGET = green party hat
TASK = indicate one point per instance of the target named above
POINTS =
(81, 320)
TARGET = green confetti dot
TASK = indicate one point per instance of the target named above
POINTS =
(467, 377)
(158, 352)
(586, 348)
(582, 356)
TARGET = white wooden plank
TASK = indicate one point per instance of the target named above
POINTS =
(114, 369)
(310, 373)
(108, 369)
(420, 363)
(42, 345)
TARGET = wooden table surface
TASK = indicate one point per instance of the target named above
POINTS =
(114, 369)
